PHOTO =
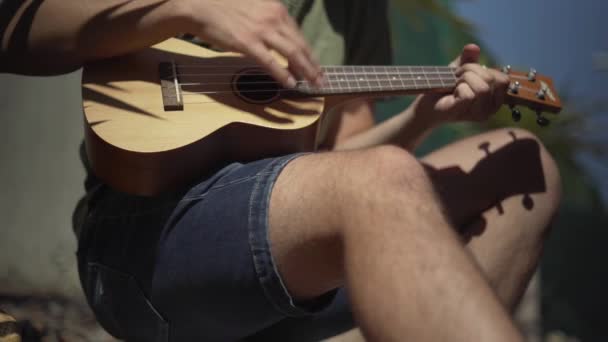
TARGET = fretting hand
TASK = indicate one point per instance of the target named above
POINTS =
(479, 92)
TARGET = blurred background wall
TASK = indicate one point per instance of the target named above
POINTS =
(41, 180)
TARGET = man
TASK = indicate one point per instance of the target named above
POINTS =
(269, 247)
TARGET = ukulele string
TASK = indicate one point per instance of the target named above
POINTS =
(257, 66)
(337, 81)
(398, 71)
(414, 74)
(208, 94)
(348, 90)
(391, 74)
(432, 84)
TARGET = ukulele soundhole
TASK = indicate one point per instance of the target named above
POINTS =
(255, 86)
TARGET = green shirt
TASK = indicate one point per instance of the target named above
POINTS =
(351, 32)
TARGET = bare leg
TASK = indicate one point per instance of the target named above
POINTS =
(370, 219)
(503, 228)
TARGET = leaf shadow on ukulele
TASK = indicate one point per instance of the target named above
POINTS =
(205, 80)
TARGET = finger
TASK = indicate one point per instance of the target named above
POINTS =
(483, 93)
(262, 55)
(292, 33)
(295, 56)
(470, 105)
(501, 85)
(465, 99)
(457, 103)
(470, 54)
(486, 74)
(292, 30)
(477, 83)
(498, 81)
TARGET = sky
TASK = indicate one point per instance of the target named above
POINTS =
(557, 37)
(561, 39)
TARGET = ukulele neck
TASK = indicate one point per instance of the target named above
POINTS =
(375, 80)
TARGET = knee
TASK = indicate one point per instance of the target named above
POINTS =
(382, 178)
(386, 182)
(390, 168)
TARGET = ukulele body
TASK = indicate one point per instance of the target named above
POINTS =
(140, 141)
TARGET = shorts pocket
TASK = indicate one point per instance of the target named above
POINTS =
(121, 306)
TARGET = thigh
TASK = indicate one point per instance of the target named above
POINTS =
(501, 189)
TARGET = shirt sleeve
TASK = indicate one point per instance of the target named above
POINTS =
(368, 38)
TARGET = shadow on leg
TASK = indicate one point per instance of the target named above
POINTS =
(501, 190)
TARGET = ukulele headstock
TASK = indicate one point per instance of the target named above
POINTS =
(534, 91)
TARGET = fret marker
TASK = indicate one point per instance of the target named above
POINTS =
(419, 77)
(394, 78)
(361, 79)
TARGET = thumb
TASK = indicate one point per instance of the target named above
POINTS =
(470, 54)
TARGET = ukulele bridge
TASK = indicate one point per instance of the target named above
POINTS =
(170, 87)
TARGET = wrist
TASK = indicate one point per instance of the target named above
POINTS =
(179, 15)
(423, 111)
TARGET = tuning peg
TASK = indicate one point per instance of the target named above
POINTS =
(516, 114)
(541, 94)
(541, 120)
(506, 69)
(532, 75)
(514, 87)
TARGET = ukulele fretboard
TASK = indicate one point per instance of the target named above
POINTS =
(380, 79)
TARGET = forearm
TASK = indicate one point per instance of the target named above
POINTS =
(406, 129)
(61, 35)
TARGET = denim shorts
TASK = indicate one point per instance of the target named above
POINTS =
(196, 266)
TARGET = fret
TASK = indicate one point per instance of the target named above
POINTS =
(375, 83)
(338, 79)
(344, 83)
(351, 80)
(410, 80)
(402, 81)
(426, 78)
(414, 76)
(395, 79)
(432, 76)
(331, 78)
(405, 79)
(384, 78)
(453, 77)
(440, 78)
(385, 81)
(363, 78)
(422, 78)
(303, 86)
(356, 84)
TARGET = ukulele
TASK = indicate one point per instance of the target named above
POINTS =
(158, 119)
